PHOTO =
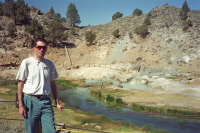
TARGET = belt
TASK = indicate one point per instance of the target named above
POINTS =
(36, 96)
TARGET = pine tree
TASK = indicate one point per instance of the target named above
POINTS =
(35, 29)
(11, 30)
(72, 15)
(1, 8)
(9, 8)
(22, 15)
(55, 32)
(51, 13)
(184, 11)
(185, 7)
(59, 18)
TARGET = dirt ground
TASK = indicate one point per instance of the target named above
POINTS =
(4, 90)
(160, 99)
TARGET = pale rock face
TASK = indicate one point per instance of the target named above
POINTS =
(186, 58)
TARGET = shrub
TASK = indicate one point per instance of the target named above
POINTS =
(130, 35)
(183, 15)
(134, 106)
(138, 58)
(99, 95)
(148, 128)
(148, 109)
(116, 33)
(126, 124)
(166, 25)
(103, 118)
(147, 21)
(119, 101)
(90, 37)
(142, 30)
(72, 30)
(1, 28)
(141, 107)
(161, 110)
(117, 15)
(189, 23)
(159, 131)
(186, 24)
(35, 29)
(137, 12)
(109, 98)
(149, 15)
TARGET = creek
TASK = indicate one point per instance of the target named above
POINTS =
(80, 98)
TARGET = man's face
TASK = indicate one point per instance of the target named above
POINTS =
(40, 49)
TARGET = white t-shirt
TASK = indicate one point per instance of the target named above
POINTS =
(37, 76)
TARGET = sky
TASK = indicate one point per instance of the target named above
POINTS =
(95, 12)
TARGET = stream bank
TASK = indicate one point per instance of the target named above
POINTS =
(165, 92)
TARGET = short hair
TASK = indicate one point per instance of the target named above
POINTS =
(39, 39)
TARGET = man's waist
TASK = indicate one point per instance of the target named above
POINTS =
(35, 96)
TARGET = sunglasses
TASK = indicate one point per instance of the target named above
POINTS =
(41, 47)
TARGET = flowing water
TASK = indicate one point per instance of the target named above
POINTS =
(81, 99)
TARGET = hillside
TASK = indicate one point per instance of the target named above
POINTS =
(167, 50)
(164, 50)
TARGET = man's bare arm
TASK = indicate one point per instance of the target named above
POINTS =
(22, 110)
(55, 95)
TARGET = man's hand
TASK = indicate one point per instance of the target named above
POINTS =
(22, 111)
(60, 107)
(54, 92)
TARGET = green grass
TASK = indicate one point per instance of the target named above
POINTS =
(5, 126)
(163, 110)
(10, 94)
(150, 129)
(172, 77)
(109, 99)
(66, 83)
(8, 110)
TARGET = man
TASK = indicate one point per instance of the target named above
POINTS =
(35, 82)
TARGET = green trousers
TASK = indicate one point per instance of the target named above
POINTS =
(39, 110)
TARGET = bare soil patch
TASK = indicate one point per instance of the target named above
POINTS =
(4, 90)
(156, 98)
